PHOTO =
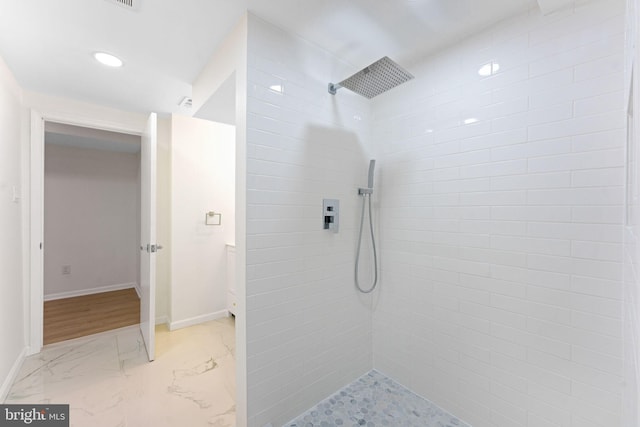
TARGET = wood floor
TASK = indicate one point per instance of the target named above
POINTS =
(69, 318)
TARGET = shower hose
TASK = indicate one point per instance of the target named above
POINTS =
(365, 198)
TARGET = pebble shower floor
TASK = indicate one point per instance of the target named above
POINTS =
(375, 400)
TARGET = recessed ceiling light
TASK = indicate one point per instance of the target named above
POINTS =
(108, 59)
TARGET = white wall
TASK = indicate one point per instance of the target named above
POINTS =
(231, 58)
(11, 254)
(202, 180)
(308, 330)
(631, 331)
(91, 220)
(501, 240)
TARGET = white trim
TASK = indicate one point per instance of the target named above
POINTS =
(13, 373)
(136, 286)
(198, 319)
(53, 110)
(36, 227)
(82, 292)
(162, 320)
(77, 113)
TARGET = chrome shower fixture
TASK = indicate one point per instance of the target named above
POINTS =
(379, 77)
(369, 189)
(367, 193)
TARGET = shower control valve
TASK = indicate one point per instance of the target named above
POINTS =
(330, 214)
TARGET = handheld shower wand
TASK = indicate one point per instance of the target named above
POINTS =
(366, 194)
(369, 189)
(372, 165)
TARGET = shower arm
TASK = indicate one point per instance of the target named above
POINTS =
(333, 88)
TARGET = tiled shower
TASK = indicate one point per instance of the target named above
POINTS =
(500, 212)
(502, 237)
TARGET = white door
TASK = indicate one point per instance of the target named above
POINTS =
(148, 245)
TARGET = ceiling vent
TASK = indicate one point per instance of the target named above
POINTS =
(186, 102)
(127, 4)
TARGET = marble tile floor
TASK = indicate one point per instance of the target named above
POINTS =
(108, 381)
(375, 400)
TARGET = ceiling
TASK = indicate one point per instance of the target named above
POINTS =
(48, 45)
(97, 139)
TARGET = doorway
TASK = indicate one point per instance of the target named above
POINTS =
(147, 245)
(91, 228)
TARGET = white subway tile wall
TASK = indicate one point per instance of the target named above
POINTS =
(308, 330)
(501, 220)
(631, 255)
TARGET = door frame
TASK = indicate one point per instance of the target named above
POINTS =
(36, 209)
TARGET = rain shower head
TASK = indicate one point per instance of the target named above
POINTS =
(379, 77)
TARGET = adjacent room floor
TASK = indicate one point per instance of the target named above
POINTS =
(70, 318)
(108, 382)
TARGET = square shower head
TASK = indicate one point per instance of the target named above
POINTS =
(379, 77)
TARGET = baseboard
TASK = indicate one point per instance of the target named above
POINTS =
(11, 376)
(163, 320)
(198, 319)
(91, 291)
(136, 286)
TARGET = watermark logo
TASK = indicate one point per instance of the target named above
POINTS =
(34, 415)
